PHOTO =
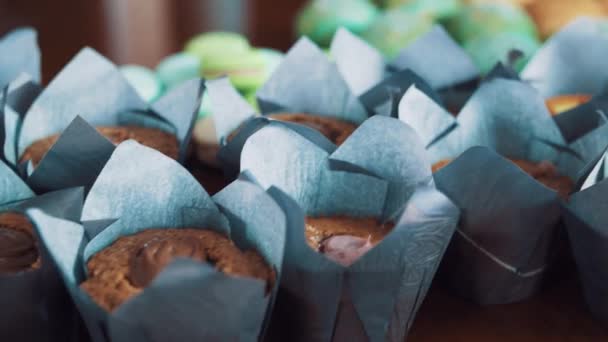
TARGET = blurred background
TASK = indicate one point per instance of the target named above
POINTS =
(144, 31)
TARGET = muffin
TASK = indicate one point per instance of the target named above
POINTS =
(335, 130)
(18, 244)
(563, 103)
(544, 172)
(123, 269)
(344, 239)
(154, 138)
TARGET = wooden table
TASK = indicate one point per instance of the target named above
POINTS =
(557, 314)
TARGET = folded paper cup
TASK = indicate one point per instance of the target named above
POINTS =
(93, 88)
(306, 88)
(585, 217)
(140, 188)
(572, 61)
(510, 117)
(379, 172)
(33, 302)
(19, 53)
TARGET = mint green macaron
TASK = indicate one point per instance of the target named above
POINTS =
(490, 18)
(218, 43)
(487, 50)
(143, 80)
(320, 19)
(177, 68)
(437, 9)
(395, 30)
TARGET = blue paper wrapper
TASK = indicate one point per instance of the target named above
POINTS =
(34, 305)
(92, 88)
(510, 117)
(585, 218)
(140, 188)
(572, 61)
(380, 171)
(19, 53)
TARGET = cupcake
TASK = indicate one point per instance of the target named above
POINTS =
(550, 16)
(585, 218)
(153, 244)
(34, 293)
(20, 54)
(566, 65)
(370, 236)
(306, 90)
(92, 89)
(509, 117)
(319, 20)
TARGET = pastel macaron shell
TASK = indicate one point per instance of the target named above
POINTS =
(320, 19)
(178, 68)
(490, 18)
(395, 29)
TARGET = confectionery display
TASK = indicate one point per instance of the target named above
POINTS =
(398, 170)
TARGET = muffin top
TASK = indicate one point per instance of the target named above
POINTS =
(345, 239)
(336, 130)
(123, 269)
(161, 141)
(563, 103)
(18, 244)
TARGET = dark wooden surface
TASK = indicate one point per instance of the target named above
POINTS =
(557, 314)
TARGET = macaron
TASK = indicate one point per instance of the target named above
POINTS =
(272, 59)
(436, 9)
(551, 15)
(229, 54)
(487, 50)
(177, 68)
(143, 80)
(490, 18)
(320, 19)
(395, 29)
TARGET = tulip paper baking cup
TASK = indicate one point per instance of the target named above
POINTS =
(586, 220)
(91, 87)
(34, 304)
(141, 188)
(509, 117)
(19, 53)
(573, 61)
(506, 235)
(434, 63)
(306, 81)
(379, 171)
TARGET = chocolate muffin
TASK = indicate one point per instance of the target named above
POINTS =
(563, 103)
(123, 269)
(161, 141)
(544, 172)
(18, 244)
(344, 239)
(333, 129)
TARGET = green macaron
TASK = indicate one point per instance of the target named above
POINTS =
(320, 19)
(436, 9)
(219, 43)
(490, 18)
(143, 80)
(178, 68)
(487, 50)
(229, 54)
(395, 29)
